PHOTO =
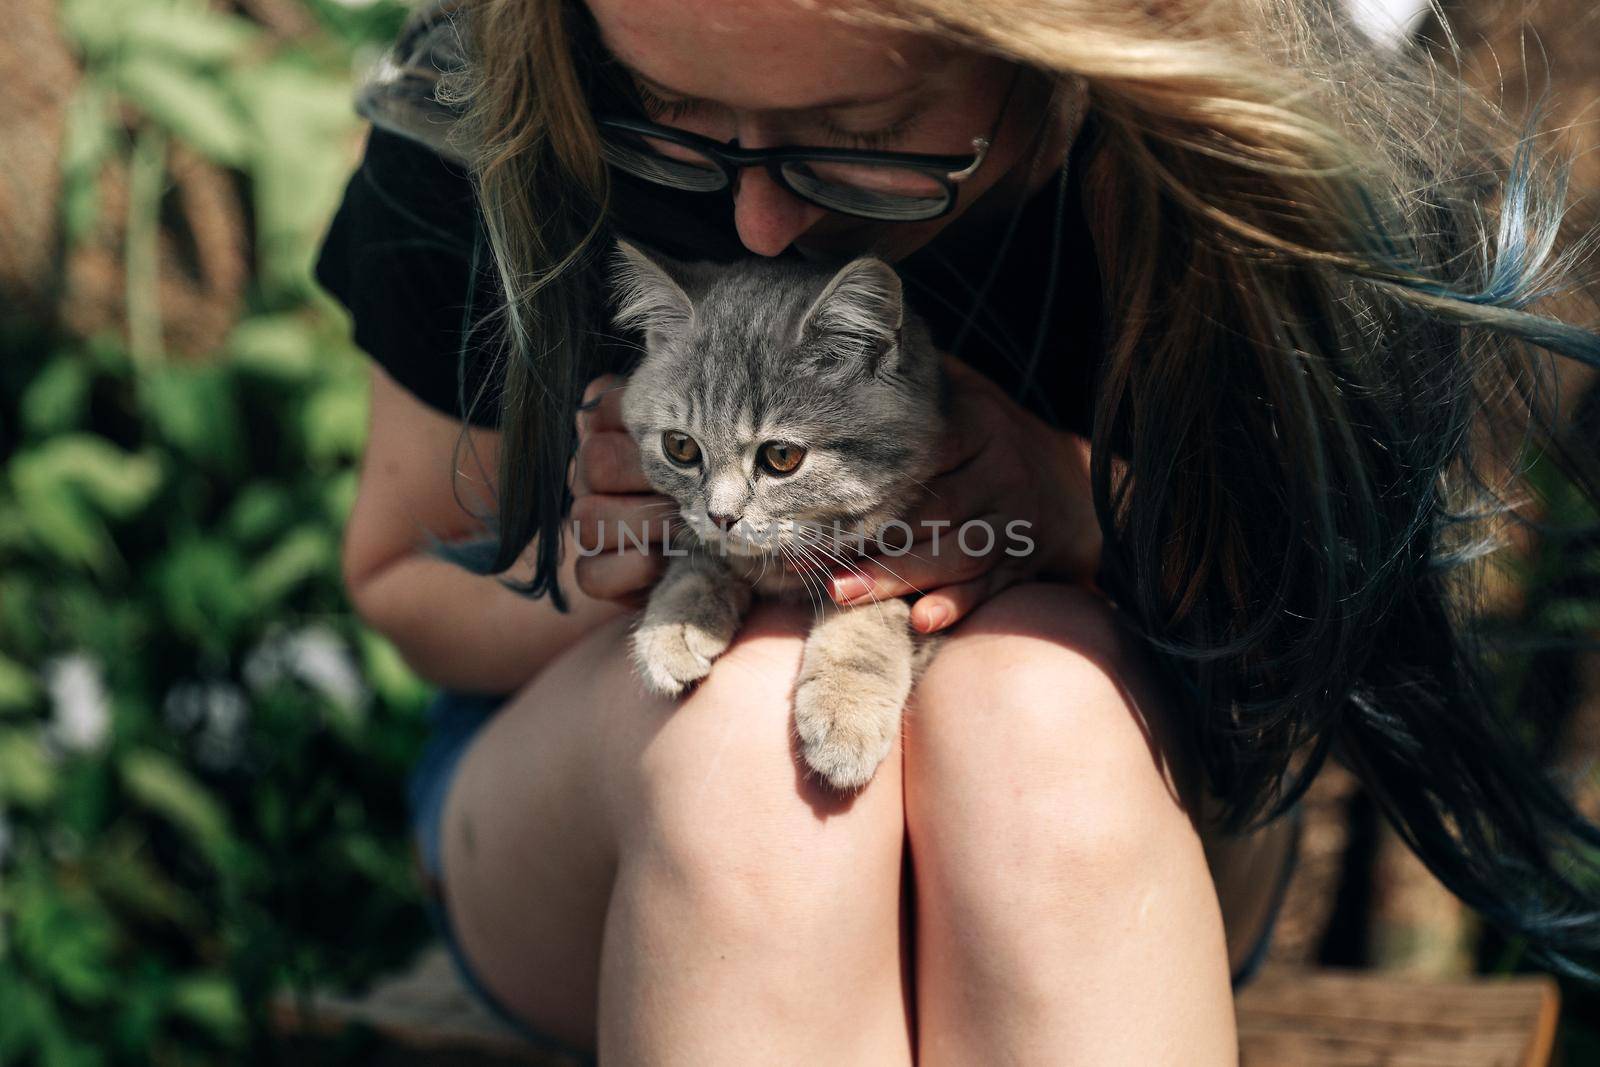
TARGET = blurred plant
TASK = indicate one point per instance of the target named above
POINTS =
(201, 751)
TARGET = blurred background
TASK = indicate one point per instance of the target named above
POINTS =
(202, 753)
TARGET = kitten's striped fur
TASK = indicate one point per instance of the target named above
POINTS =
(827, 360)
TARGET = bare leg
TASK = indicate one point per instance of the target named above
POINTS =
(1065, 912)
(664, 876)
(660, 877)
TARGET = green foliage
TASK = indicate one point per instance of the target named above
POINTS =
(190, 818)
(232, 828)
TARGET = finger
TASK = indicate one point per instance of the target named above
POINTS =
(601, 406)
(949, 604)
(922, 569)
(601, 521)
(609, 463)
(618, 576)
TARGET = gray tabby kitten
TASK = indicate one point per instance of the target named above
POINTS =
(783, 405)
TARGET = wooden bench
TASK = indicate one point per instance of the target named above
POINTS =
(1291, 1018)
(1287, 1018)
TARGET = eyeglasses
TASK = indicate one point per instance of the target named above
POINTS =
(888, 186)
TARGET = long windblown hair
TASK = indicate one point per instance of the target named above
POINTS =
(1330, 274)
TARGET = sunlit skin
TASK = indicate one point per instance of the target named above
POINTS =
(661, 877)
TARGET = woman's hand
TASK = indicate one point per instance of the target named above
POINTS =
(610, 496)
(1004, 468)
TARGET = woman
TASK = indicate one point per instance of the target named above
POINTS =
(1203, 269)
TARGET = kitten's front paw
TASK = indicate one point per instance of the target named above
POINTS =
(687, 625)
(847, 722)
(671, 656)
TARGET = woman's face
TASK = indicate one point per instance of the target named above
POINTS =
(775, 72)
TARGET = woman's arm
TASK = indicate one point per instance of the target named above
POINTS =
(455, 629)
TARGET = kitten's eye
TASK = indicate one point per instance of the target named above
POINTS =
(680, 448)
(780, 458)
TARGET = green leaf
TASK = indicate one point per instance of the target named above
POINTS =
(64, 1050)
(307, 134)
(336, 421)
(27, 777)
(307, 552)
(141, 1010)
(86, 798)
(386, 671)
(67, 937)
(141, 244)
(22, 597)
(166, 789)
(201, 586)
(128, 881)
(191, 106)
(14, 530)
(86, 146)
(379, 862)
(106, 627)
(187, 34)
(260, 511)
(19, 687)
(62, 483)
(63, 526)
(339, 496)
(193, 408)
(115, 482)
(283, 347)
(27, 1018)
(55, 399)
(211, 1002)
(95, 25)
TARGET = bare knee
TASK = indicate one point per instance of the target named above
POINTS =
(1038, 746)
(1059, 877)
(713, 804)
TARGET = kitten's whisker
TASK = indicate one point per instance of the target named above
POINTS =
(808, 568)
(892, 573)
(676, 534)
(926, 488)
(835, 557)
(833, 553)
(872, 594)
(811, 549)
(816, 607)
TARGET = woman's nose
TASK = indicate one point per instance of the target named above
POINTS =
(768, 216)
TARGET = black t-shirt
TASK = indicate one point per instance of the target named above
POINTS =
(403, 248)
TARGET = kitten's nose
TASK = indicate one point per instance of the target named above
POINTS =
(723, 521)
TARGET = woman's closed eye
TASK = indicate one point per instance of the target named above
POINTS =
(659, 107)
(671, 109)
(872, 139)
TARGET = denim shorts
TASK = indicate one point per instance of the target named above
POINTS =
(455, 718)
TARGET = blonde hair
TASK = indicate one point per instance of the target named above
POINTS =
(1320, 262)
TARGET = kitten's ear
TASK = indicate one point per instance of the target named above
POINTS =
(647, 297)
(861, 311)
